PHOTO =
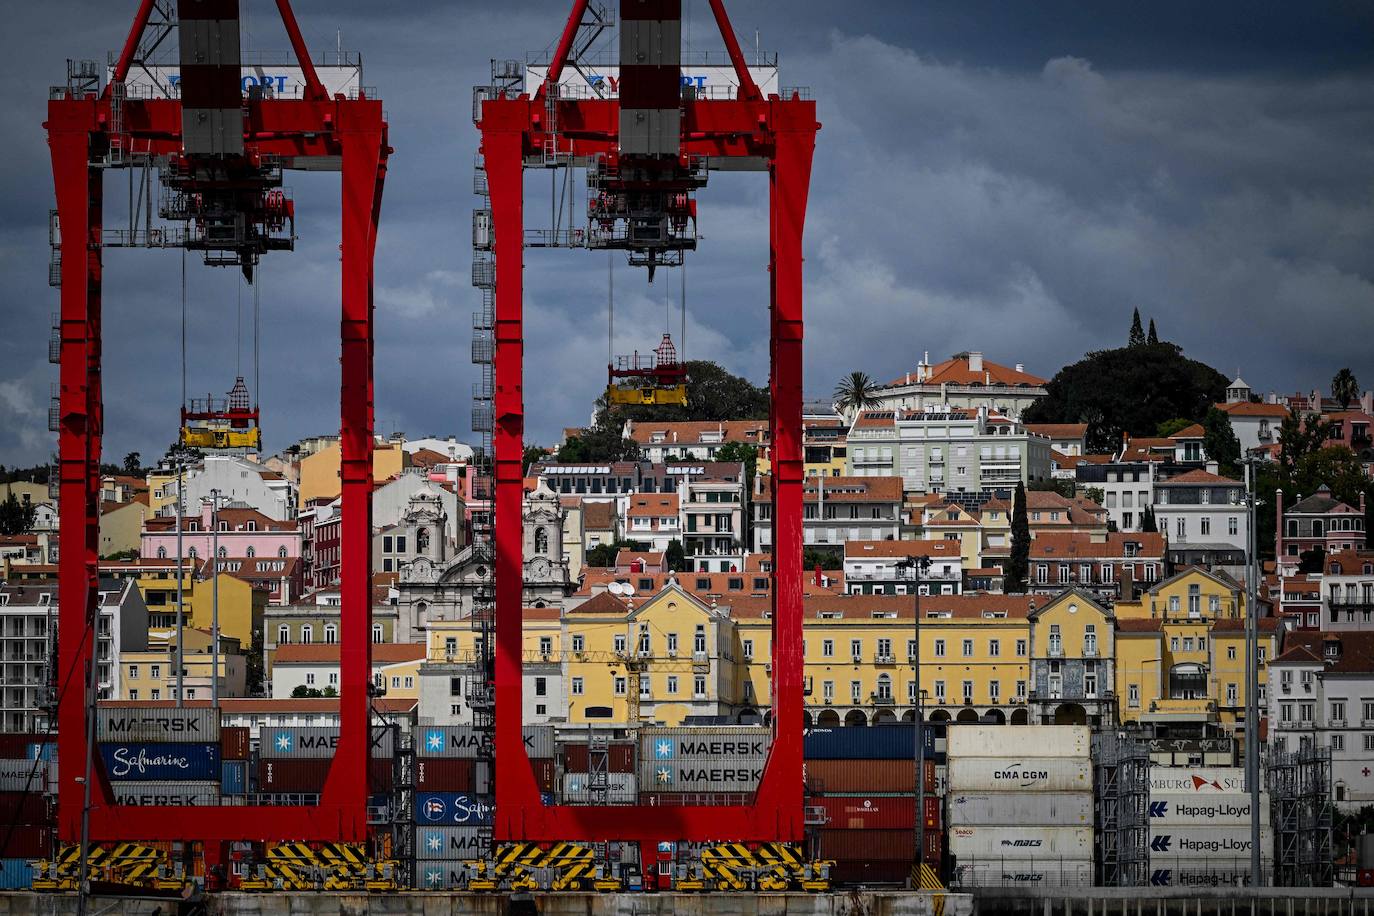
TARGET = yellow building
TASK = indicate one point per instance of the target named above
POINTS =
(952, 522)
(151, 674)
(162, 491)
(1073, 658)
(241, 606)
(1180, 655)
(121, 525)
(320, 471)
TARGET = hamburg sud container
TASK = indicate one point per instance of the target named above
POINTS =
(233, 743)
(1019, 774)
(143, 725)
(452, 774)
(1021, 842)
(1196, 780)
(1073, 741)
(874, 812)
(621, 789)
(447, 843)
(705, 759)
(991, 808)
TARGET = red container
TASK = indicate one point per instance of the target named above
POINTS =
(620, 758)
(545, 773)
(870, 872)
(381, 775)
(23, 808)
(869, 845)
(26, 842)
(298, 774)
(851, 776)
(678, 799)
(446, 774)
(233, 743)
(868, 812)
(932, 813)
(935, 848)
(15, 746)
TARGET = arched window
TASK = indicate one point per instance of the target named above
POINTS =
(281, 551)
(331, 634)
(422, 540)
(307, 633)
(283, 635)
(162, 553)
(223, 552)
(191, 552)
(884, 687)
(541, 540)
(376, 632)
(251, 552)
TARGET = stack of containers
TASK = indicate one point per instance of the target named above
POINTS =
(1200, 828)
(160, 756)
(701, 764)
(1020, 805)
(864, 779)
(574, 787)
(295, 759)
(233, 750)
(26, 766)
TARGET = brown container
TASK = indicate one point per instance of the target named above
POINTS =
(545, 773)
(14, 746)
(679, 799)
(620, 758)
(293, 774)
(381, 775)
(22, 808)
(932, 816)
(866, 776)
(447, 774)
(870, 872)
(26, 842)
(869, 845)
(233, 743)
(867, 812)
(935, 848)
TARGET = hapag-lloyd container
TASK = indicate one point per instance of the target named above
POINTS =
(998, 871)
(887, 742)
(171, 794)
(1211, 809)
(862, 775)
(144, 724)
(1072, 741)
(1019, 841)
(1195, 842)
(869, 812)
(307, 741)
(621, 789)
(440, 842)
(1210, 871)
(991, 808)
(1199, 780)
(1019, 774)
(620, 758)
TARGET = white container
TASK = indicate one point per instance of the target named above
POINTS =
(998, 872)
(1021, 842)
(156, 724)
(1019, 774)
(1200, 780)
(24, 776)
(445, 842)
(169, 794)
(621, 789)
(1170, 872)
(1210, 809)
(990, 808)
(1019, 741)
(1225, 843)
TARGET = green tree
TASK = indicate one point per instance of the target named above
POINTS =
(16, 517)
(1137, 336)
(856, 392)
(675, 556)
(1167, 428)
(307, 693)
(603, 555)
(133, 464)
(1219, 441)
(255, 674)
(1152, 338)
(1018, 564)
(1096, 494)
(824, 557)
(122, 555)
(1300, 436)
(1131, 390)
(1344, 388)
(1064, 488)
(1147, 520)
(746, 454)
(602, 442)
(329, 692)
(1335, 466)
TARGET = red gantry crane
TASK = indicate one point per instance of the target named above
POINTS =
(647, 153)
(220, 144)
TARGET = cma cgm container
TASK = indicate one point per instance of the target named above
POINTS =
(437, 842)
(1073, 741)
(315, 741)
(139, 724)
(458, 809)
(170, 794)
(1212, 809)
(1019, 774)
(991, 808)
(856, 775)
(886, 742)
(1200, 780)
(160, 762)
(621, 789)
(1008, 872)
(620, 758)
(1021, 842)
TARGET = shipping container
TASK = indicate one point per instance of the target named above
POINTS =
(1012, 841)
(304, 741)
(453, 808)
(1019, 774)
(436, 842)
(703, 774)
(971, 809)
(15, 745)
(162, 725)
(234, 777)
(161, 762)
(438, 875)
(26, 841)
(1015, 741)
(868, 845)
(679, 799)
(935, 847)
(870, 872)
(43, 750)
(1209, 871)
(23, 775)
(381, 774)
(453, 774)
(16, 874)
(743, 742)
(621, 789)
(1047, 871)
(304, 774)
(545, 773)
(171, 794)
(1215, 809)
(466, 742)
(886, 742)
(1202, 780)
(1224, 842)
(23, 808)
(855, 775)
(620, 758)
(234, 742)
(868, 812)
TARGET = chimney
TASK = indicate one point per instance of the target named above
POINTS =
(1020, 367)
(975, 361)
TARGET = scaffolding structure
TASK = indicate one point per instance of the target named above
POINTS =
(1302, 812)
(1121, 779)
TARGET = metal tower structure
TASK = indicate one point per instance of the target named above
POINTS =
(646, 153)
(219, 155)
(1303, 814)
(1121, 778)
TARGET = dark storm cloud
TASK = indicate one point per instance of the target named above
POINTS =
(1005, 177)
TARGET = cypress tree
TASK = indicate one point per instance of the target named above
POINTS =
(1137, 336)
(1018, 564)
(1153, 338)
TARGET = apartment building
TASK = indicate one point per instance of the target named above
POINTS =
(1109, 565)
(872, 567)
(1347, 591)
(713, 522)
(1317, 522)
(835, 510)
(315, 666)
(693, 440)
(1203, 515)
(965, 380)
(652, 519)
(1072, 661)
(451, 684)
(152, 674)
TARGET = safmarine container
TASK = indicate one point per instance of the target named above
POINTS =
(868, 845)
(852, 775)
(457, 809)
(302, 741)
(233, 743)
(621, 789)
(16, 874)
(1021, 841)
(23, 775)
(161, 762)
(438, 842)
(1048, 871)
(885, 742)
(992, 808)
(620, 758)
(161, 725)
(1212, 809)
(234, 777)
(1073, 741)
(171, 794)
(303, 774)
(869, 812)
(1019, 774)
(1201, 780)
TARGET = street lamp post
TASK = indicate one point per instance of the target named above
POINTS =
(915, 568)
(181, 572)
(1252, 768)
(214, 599)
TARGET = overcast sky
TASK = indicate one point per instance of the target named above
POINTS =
(1007, 177)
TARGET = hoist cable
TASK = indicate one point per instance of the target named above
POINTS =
(682, 333)
(238, 327)
(257, 367)
(610, 307)
(183, 328)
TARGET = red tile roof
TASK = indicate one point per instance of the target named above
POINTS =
(1348, 562)
(859, 550)
(1196, 476)
(598, 515)
(601, 603)
(1057, 545)
(1190, 432)
(690, 432)
(652, 505)
(1059, 430)
(1250, 409)
(956, 371)
(842, 489)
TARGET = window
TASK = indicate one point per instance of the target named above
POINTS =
(1206, 525)
(1305, 711)
(968, 648)
(856, 648)
(283, 635)
(155, 671)
(939, 648)
(133, 694)
(1056, 640)
(828, 692)
(307, 633)
(1021, 648)
(1231, 695)
(1338, 742)
(578, 642)
(994, 691)
(828, 648)
(376, 632)
(133, 671)
(968, 691)
(541, 686)
(331, 634)
(618, 685)
(1181, 528)
(1021, 691)
(1232, 525)
(939, 691)
(699, 640)
(856, 692)
(884, 687)
(309, 677)
(1338, 710)
(619, 644)
(1369, 742)
(455, 686)
(748, 648)
(156, 694)
(911, 648)
(672, 685)
(1090, 639)
(577, 686)
(1133, 695)
(699, 686)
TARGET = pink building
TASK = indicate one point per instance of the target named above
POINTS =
(1319, 520)
(243, 532)
(1352, 428)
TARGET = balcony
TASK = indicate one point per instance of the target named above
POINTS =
(878, 699)
(881, 659)
(1090, 651)
(1337, 723)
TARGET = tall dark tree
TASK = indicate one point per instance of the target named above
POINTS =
(1147, 520)
(675, 556)
(133, 464)
(16, 517)
(1018, 564)
(1344, 388)
(601, 442)
(1220, 442)
(1300, 436)
(1137, 336)
(1153, 337)
(253, 668)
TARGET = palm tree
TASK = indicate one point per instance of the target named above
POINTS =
(856, 392)
(1344, 388)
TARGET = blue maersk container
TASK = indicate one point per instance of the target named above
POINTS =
(15, 875)
(880, 742)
